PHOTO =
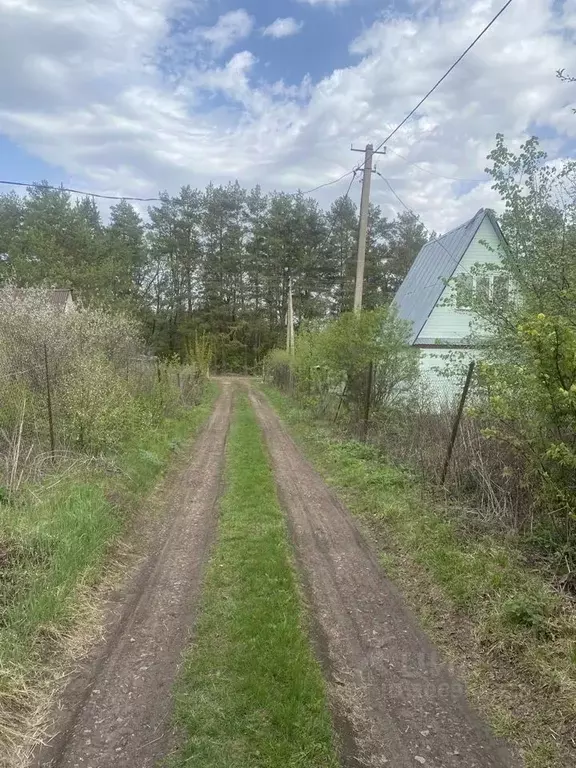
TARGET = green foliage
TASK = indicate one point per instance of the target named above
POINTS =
(211, 263)
(494, 614)
(529, 376)
(199, 353)
(55, 542)
(80, 376)
(48, 238)
(97, 407)
(278, 368)
(332, 358)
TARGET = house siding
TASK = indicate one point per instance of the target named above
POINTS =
(442, 375)
(446, 322)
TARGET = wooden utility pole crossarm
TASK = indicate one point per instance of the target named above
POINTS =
(363, 229)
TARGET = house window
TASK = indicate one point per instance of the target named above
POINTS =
(500, 289)
(482, 288)
(493, 287)
(464, 290)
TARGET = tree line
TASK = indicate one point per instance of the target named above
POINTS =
(212, 263)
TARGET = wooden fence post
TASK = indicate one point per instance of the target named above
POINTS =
(457, 421)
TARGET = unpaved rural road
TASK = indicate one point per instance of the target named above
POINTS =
(394, 702)
(121, 719)
(400, 705)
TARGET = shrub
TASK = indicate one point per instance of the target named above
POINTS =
(332, 359)
(81, 379)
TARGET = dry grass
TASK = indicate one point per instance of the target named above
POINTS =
(62, 549)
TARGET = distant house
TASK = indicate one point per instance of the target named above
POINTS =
(428, 298)
(60, 298)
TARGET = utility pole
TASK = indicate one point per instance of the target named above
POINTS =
(290, 321)
(363, 230)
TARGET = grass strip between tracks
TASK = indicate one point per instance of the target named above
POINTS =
(251, 692)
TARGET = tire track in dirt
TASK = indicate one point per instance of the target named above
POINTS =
(116, 713)
(401, 704)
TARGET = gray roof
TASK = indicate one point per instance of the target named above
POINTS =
(59, 296)
(432, 268)
(55, 296)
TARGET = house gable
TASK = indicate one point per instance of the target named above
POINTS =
(446, 322)
(422, 297)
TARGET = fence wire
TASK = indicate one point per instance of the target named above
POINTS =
(56, 414)
(415, 429)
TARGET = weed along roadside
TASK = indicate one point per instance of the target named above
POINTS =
(509, 635)
(61, 541)
(251, 692)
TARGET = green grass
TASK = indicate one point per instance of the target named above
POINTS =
(251, 694)
(55, 547)
(512, 635)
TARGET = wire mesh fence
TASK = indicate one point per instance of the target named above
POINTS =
(54, 412)
(429, 431)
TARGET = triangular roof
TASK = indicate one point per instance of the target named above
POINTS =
(58, 297)
(433, 267)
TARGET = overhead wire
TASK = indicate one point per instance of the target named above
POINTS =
(437, 240)
(38, 185)
(396, 195)
(329, 183)
(441, 80)
(343, 200)
(35, 185)
(432, 173)
(86, 193)
(361, 166)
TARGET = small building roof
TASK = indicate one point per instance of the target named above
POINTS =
(59, 296)
(432, 268)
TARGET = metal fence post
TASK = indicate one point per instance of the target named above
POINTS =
(368, 402)
(457, 421)
(49, 402)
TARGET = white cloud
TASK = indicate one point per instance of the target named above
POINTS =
(230, 28)
(329, 3)
(81, 88)
(283, 28)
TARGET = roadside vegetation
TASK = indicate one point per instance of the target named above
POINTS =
(492, 612)
(73, 472)
(493, 542)
(251, 692)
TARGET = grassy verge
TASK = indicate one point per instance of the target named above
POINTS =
(251, 693)
(55, 546)
(511, 635)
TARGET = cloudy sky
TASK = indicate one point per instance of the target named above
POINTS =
(133, 96)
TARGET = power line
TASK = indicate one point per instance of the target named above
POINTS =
(329, 183)
(37, 185)
(396, 195)
(444, 76)
(331, 230)
(432, 173)
(438, 240)
(354, 172)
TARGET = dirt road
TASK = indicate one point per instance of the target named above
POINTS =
(395, 702)
(398, 702)
(118, 717)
